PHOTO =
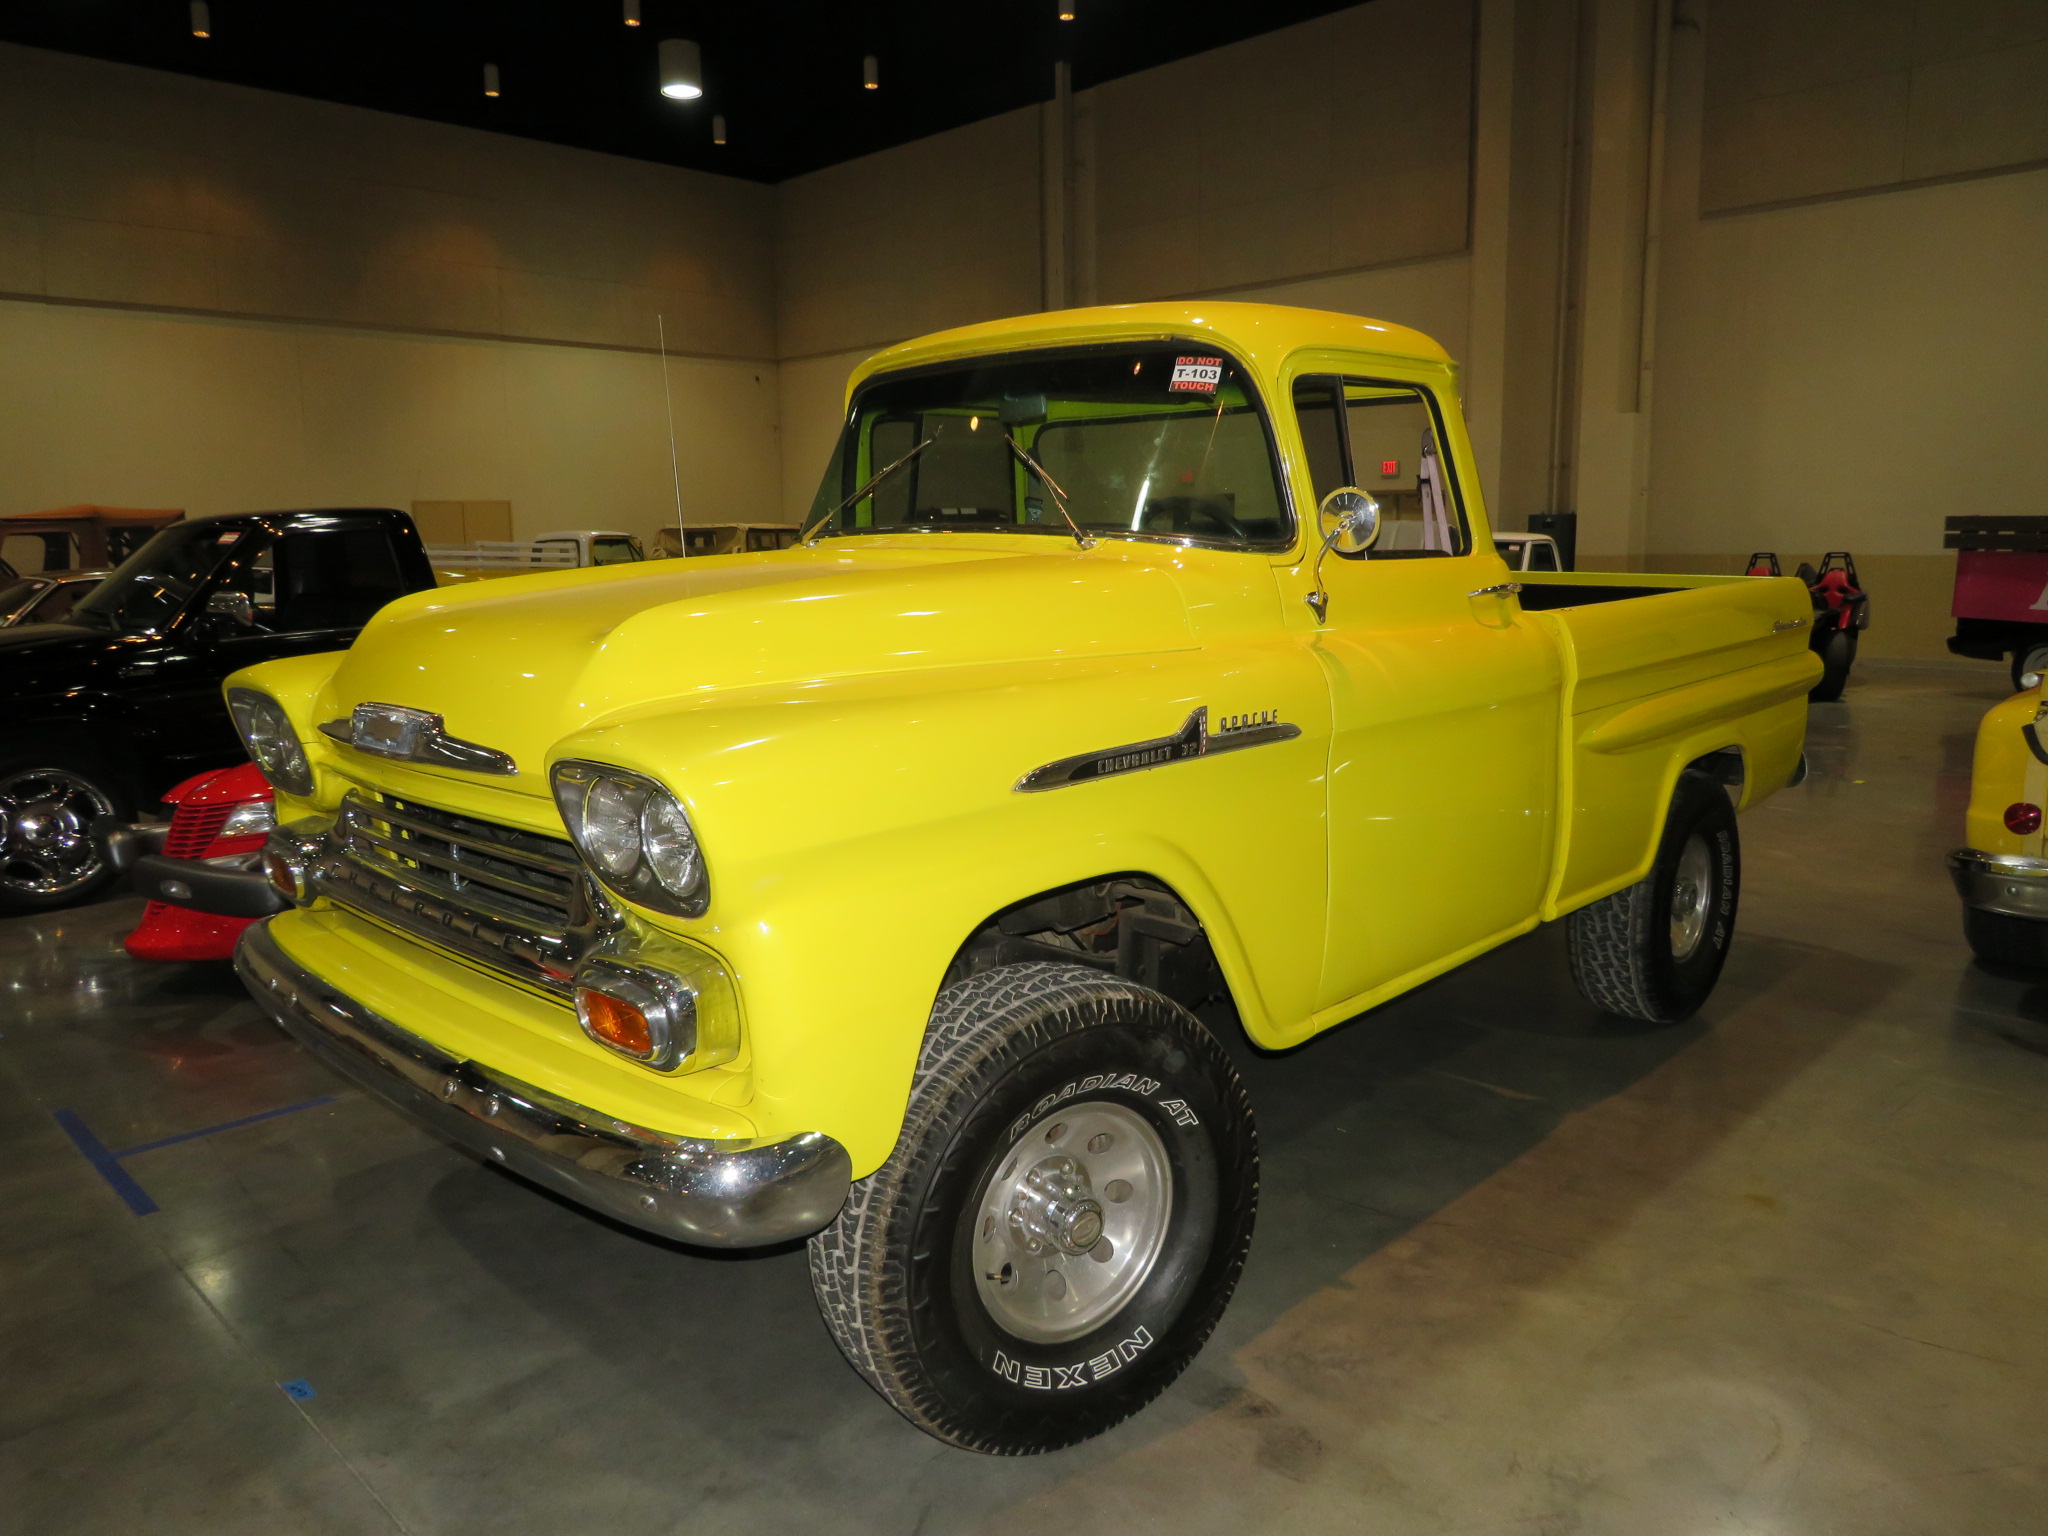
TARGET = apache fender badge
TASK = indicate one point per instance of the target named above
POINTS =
(1193, 739)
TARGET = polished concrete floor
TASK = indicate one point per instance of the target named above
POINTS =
(1519, 1270)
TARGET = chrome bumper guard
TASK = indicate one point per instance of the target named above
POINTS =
(721, 1194)
(2009, 883)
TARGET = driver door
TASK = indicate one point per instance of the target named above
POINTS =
(1445, 698)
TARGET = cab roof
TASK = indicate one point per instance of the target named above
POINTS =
(1260, 334)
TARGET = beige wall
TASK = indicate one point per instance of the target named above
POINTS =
(1846, 372)
(1686, 310)
(1336, 145)
(1829, 96)
(1257, 171)
(216, 297)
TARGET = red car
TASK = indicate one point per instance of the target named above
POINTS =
(203, 872)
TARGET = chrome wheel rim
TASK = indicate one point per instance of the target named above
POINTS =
(1071, 1222)
(46, 846)
(1692, 894)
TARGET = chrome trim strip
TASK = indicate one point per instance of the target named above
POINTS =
(1193, 739)
(516, 949)
(414, 736)
(470, 873)
(2009, 883)
(512, 853)
(721, 1194)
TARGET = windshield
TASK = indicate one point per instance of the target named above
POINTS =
(1162, 439)
(153, 585)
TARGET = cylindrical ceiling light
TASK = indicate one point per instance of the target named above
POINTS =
(682, 69)
(718, 127)
(632, 13)
(202, 19)
(490, 79)
(1066, 10)
(870, 76)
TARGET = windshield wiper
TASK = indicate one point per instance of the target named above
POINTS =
(814, 530)
(1059, 497)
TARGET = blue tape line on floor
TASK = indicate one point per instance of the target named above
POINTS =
(298, 1390)
(108, 1163)
(225, 1125)
(104, 1164)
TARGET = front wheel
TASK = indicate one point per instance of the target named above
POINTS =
(1063, 1219)
(48, 802)
(1653, 952)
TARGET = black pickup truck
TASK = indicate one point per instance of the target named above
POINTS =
(99, 715)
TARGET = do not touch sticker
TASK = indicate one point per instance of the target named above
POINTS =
(1200, 375)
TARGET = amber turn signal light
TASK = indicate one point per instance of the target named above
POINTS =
(2022, 818)
(615, 1022)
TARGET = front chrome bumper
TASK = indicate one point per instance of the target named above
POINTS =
(722, 1194)
(2010, 883)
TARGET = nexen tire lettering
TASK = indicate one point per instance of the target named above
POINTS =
(1056, 1378)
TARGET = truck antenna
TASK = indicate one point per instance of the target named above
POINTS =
(669, 410)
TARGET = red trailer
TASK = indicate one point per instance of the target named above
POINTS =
(2001, 596)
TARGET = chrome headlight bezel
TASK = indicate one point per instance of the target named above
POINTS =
(666, 872)
(271, 741)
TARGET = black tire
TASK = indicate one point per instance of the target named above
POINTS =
(1837, 655)
(1011, 1056)
(47, 858)
(2031, 658)
(2003, 940)
(1627, 954)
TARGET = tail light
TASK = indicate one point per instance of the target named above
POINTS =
(2022, 818)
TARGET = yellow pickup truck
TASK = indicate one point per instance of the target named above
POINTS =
(1133, 661)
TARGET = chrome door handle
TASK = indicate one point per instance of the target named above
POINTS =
(1504, 589)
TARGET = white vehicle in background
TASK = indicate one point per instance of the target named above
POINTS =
(561, 549)
(1528, 551)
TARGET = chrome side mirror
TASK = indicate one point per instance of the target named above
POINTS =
(1350, 522)
(235, 605)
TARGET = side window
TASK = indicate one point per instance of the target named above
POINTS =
(56, 608)
(1315, 407)
(332, 578)
(615, 551)
(1384, 441)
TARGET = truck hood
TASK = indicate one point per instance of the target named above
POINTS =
(520, 663)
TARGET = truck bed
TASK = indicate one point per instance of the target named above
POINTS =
(1657, 666)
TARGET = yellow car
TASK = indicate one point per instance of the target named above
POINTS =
(2002, 876)
(1133, 659)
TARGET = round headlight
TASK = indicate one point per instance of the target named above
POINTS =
(633, 835)
(670, 846)
(611, 827)
(267, 732)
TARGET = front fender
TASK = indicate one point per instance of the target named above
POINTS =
(857, 833)
(299, 683)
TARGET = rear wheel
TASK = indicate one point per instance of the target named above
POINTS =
(1837, 655)
(1654, 951)
(2004, 940)
(1062, 1221)
(48, 802)
(2033, 658)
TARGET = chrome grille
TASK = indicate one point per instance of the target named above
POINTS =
(509, 898)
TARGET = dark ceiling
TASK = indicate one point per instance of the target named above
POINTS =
(785, 74)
